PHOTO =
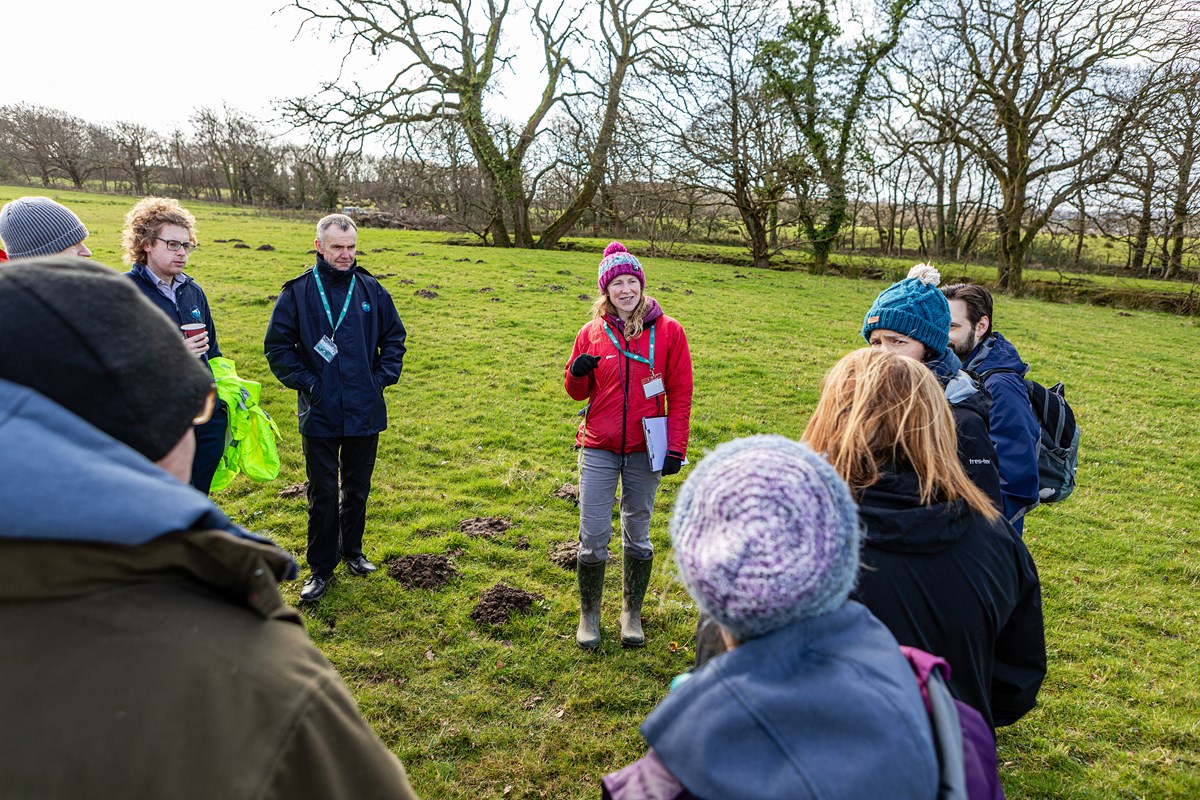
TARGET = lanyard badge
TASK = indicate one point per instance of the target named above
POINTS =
(653, 385)
(326, 348)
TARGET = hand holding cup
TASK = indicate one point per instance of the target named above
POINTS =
(195, 338)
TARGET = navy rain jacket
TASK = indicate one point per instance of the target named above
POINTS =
(343, 397)
(1014, 429)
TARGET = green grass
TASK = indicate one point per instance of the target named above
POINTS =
(480, 425)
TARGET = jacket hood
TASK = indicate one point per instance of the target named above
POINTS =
(653, 312)
(995, 352)
(945, 366)
(775, 718)
(895, 519)
(84, 486)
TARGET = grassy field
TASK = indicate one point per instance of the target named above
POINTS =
(480, 426)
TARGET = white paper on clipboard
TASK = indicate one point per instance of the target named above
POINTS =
(656, 441)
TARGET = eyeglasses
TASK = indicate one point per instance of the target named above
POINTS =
(210, 404)
(173, 245)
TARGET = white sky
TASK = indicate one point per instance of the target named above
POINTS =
(155, 64)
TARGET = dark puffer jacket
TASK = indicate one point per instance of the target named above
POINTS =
(971, 406)
(948, 581)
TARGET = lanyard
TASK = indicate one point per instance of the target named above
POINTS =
(325, 301)
(613, 338)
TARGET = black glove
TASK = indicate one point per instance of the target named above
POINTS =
(584, 364)
(672, 463)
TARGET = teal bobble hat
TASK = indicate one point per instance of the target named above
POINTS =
(765, 533)
(38, 226)
(913, 307)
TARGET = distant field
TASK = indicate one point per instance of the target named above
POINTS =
(480, 426)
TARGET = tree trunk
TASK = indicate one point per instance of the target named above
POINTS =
(1145, 220)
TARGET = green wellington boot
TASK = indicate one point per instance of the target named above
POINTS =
(591, 589)
(635, 574)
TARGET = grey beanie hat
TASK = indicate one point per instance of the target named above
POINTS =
(765, 534)
(84, 336)
(38, 226)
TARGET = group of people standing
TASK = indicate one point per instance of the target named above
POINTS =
(812, 562)
(894, 523)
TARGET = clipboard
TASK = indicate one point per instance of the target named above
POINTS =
(655, 429)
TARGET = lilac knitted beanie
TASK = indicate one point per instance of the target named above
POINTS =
(618, 261)
(765, 533)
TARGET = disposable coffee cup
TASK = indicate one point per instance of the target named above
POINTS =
(193, 329)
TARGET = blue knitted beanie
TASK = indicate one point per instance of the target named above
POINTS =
(38, 226)
(913, 307)
(765, 534)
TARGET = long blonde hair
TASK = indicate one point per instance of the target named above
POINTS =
(877, 407)
(633, 325)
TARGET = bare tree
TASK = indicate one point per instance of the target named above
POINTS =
(1047, 105)
(137, 148)
(823, 75)
(1178, 132)
(725, 135)
(451, 50)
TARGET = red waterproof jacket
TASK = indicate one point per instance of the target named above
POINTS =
(616, 400)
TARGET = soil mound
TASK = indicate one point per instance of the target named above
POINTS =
(564, 554)
(484, 527)
(500, 602)
(422, 571)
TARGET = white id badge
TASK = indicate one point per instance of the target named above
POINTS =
(326, 349)
(653, 386)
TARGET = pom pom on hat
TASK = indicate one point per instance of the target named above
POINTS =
(765, 533)
(618, 261)
(925, 273)
(913, 307)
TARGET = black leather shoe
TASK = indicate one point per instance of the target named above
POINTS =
(314, 589)
(359, 566)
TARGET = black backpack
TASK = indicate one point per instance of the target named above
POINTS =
(1058, 448)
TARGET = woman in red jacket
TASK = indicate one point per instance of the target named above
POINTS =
(631, 363)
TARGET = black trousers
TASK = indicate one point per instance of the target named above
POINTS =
(210, 445)
(337, 509)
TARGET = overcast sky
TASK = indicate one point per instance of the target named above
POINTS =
(155, 64)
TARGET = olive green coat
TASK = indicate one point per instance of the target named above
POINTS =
(171, 669)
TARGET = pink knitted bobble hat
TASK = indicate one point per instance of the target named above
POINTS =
(619, 261)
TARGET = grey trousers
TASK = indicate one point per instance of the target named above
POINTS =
(599, 471)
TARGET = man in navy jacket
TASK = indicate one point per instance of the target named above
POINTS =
(159, 236)
(1014, 428)
(336, 338)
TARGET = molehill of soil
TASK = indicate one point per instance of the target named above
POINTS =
(568, 491)
(500, 601)
(422, 571)
(564, 554)
(484, 527)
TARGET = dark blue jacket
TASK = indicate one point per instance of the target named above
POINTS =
(343, 397)
(971, 406)
(824, 707)
(1014, 429)
(191, 303)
